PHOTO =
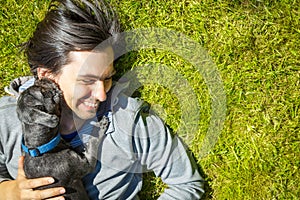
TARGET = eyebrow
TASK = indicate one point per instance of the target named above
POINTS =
(98, 77)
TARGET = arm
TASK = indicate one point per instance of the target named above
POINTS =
(22, 188)
(167, 157)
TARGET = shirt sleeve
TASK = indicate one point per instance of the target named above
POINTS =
(10, 130)
(167, 156)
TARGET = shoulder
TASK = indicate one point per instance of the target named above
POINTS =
(121, 105)
(126, 110)
(135, 118)
(129, 106)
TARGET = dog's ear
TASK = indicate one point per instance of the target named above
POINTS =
(32, 97)
(36, 116)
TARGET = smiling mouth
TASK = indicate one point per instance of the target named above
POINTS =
(91, 105)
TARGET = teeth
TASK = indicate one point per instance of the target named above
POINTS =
(94, 105)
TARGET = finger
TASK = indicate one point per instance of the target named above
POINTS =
(21, 172)
(49, 193)
(37, 182)
(52, 193)
(57, 198)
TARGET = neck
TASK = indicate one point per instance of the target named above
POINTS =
(33, 141)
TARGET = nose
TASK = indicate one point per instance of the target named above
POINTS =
(99, 92)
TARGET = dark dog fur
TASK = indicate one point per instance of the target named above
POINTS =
(39, 111)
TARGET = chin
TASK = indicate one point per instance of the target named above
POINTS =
(85, 116)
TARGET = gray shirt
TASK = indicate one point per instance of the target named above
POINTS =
(136, 142)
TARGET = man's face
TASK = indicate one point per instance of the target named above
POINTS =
(86, 80)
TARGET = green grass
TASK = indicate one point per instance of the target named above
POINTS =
(255, 45)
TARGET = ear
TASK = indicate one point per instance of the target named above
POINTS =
(45, 73)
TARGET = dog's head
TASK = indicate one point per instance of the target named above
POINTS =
(38, 107)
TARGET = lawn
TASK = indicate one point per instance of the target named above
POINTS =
(254, 45)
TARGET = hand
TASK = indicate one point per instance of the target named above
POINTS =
(23, 188)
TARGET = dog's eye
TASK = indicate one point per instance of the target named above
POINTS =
(41, 108)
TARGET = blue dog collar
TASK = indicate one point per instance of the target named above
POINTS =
(43, 148)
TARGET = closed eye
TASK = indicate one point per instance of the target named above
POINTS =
(90, 79)
(87, 81)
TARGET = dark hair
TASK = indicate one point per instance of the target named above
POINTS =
(69, 25)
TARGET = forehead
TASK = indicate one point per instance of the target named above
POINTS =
(104, 57)
(96, 62)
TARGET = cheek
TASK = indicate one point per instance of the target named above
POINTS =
(81, 91)
(72, 92)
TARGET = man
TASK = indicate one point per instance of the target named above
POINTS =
(64, 48)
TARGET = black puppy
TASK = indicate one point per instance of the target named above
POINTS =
(46, 154)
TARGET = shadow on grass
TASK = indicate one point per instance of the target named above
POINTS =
(152, 185)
